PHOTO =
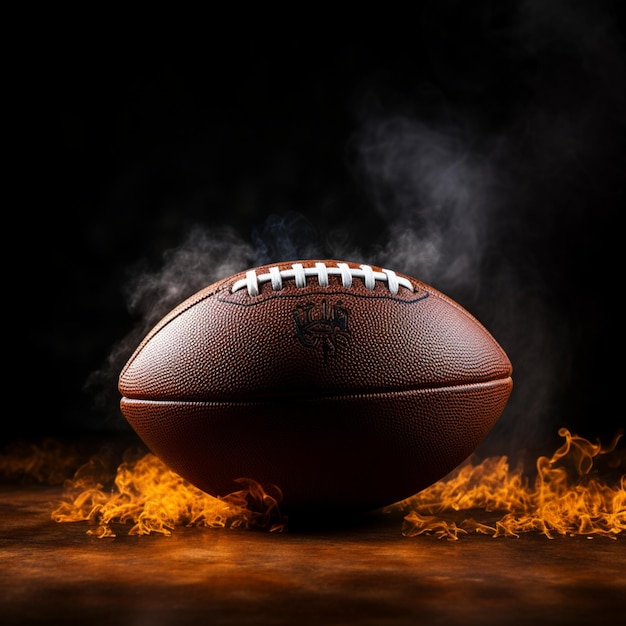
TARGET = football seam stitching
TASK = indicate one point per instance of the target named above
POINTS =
(321, 271)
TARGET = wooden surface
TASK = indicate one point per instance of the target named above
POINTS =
(369, 575)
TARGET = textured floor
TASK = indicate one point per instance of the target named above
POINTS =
(56, 573)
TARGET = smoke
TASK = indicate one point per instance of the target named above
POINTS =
(445, 198)
(435, 195)
(203, 258)
(468, 205)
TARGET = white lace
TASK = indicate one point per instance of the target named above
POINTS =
(321, 271)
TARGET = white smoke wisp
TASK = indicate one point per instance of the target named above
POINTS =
(435, 195)
(445, 207)
(204, 257)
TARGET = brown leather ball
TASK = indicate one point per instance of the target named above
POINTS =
(348, 386)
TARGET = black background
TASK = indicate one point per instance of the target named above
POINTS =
(477, 146)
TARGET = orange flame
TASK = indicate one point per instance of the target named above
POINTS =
(156, 500)
(566, 498)
(579, 491)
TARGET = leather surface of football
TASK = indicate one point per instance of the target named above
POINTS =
(347, 386)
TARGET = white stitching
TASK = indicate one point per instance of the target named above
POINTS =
(346, 276)
(252, 283)
(299, 275)
(321, 271)
(392, 280)
(276, 278)
(322, 274)
(368, 277)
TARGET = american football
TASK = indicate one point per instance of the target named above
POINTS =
(347, 386)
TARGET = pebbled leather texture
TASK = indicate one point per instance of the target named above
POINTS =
(351, 397)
